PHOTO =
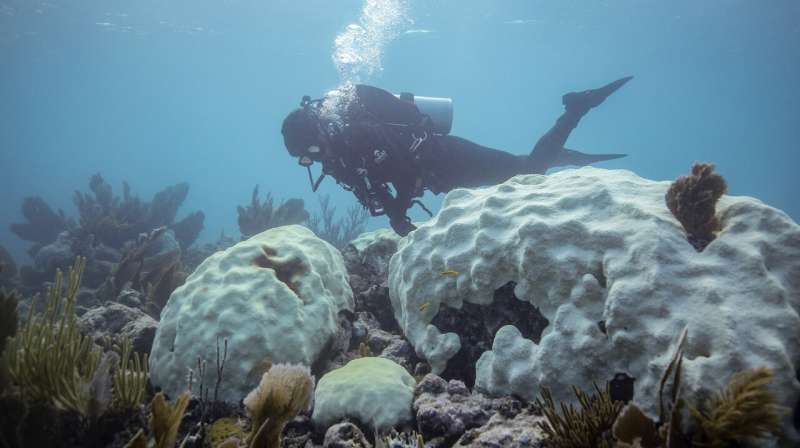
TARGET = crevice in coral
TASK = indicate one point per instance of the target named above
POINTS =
(476, 325)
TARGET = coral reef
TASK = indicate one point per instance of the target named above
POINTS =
(608, 266)
(113, 220)
(43, 224)
(260, 216)
(693, 199)
(338, 232)
(537, 287)
(108, 227)
(60, 388)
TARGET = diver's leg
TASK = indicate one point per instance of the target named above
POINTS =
(455, 162)
(576, 105)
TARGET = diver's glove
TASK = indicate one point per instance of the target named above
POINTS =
(402, 225)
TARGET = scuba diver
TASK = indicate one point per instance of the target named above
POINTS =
(388, 149)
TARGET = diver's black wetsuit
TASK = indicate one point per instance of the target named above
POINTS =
(376, 148)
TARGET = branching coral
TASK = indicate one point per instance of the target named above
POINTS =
(188, 229)
(588, 426)
(284, 391)
(157, 283)
(130, 379)
(338, 232)
(43, 224)
(52, 363)
(165, 420)
(49, 359)
(692, 199)
(744, 409)
(260, 216)
(113, 220)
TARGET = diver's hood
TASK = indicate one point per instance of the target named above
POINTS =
(300, 131)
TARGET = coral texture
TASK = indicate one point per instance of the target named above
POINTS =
(610, 268)
(376, 391)
(275, 296)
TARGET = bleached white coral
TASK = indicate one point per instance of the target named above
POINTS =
(275, 297)
(593, 246)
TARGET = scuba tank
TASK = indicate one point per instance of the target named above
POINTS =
(440, 110)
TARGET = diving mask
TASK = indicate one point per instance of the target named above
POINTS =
(312, 153)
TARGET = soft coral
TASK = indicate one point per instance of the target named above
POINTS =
(692, 199)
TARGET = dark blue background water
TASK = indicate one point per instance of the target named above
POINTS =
(156, 92)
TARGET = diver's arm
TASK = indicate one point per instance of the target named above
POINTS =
(395, 208)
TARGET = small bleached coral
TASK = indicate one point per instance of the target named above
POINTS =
(376, 391)
(693, 199)
(284, 391)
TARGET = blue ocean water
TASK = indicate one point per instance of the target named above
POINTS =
(157, 92)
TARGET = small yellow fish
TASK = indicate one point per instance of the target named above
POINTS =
(450, 273)
(424, 306)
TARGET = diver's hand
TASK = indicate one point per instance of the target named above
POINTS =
(402, 225)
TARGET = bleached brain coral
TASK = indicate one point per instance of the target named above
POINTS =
(376, 391)
(275, 297)
(611, 269)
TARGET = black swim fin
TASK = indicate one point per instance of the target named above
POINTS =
(576, 158)
(588, 99)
